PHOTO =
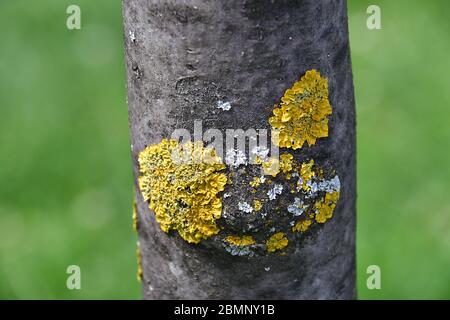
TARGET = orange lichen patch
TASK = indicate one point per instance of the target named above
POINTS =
(306, 173)
(276, 242)
(325, 207)
(271, 167)
(240, 241)
(302, 226)
(182, 183)
(303, 112)
(257, 205)
(286, 162)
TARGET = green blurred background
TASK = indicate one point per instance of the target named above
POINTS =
(65, 167)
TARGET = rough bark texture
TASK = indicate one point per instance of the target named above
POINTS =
(182, 56)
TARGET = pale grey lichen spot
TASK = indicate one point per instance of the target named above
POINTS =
(330, 185)
(235, 158)
(262, 178)
(296, 208)
(245, 207)
(225, 106)
(299, 184)
(240, 250)
(132, 36)
(313, 187)
(276, 190)
(327, 186)
(261, 152)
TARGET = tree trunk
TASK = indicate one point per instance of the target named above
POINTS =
(186, 58)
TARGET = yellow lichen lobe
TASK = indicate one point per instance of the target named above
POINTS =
(303, 112)
(257, 160)
(276, 242)
(139, 264)
(182, 183)
(302, 226)
(306, 173)
(134, 217)
(256, 182)
(271, 167)
(257, 205)
(286, 162)
(325, 207)
(240, 241)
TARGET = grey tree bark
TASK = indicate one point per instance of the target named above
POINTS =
(182, 56)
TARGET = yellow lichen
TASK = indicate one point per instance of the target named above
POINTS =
(271, 167)
(255, 182)
(258, 160)
(325, 207)
(134, 216)
(302, 226)
(286, 162)
(306, 173)
(303, 113)
(257, 205)
(139, 264)
(182, 183)
(276, 242)
(240, 241)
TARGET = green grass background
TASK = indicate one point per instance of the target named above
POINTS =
(65, 168)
